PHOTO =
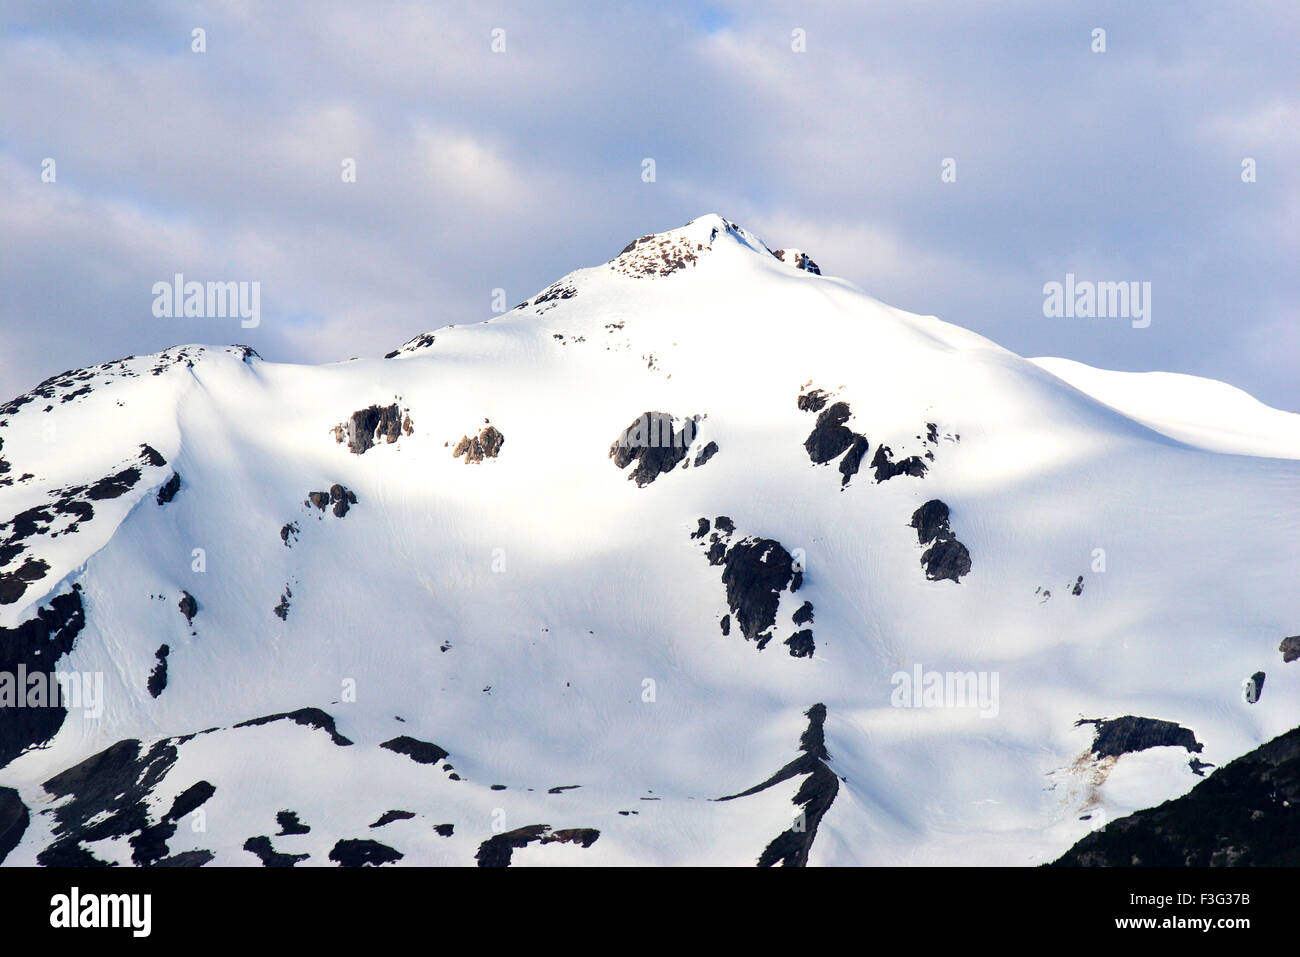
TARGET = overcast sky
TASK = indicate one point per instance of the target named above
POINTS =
(479, 169)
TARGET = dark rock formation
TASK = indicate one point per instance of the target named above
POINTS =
(191, 799)
(363, 853)
(852, 459)
(289, 824)
(422, 341)
(814, 797)
(189, 607)
(931, 522)
(35, 645)
(1290, 648)
(108, 798)
(307, 717)
(813, 401)
(886, 468)
(486, 445)
(338, 496)
(657, 444)
(801, 644)
(112, 486)
(706, 453)
(152, 456)
(168, 490)
(798, 259)
(830, 438)
(158, 677)
(342, 498)
(755, 571)
(1254, 687)
(365, 428)
(497, 850)
(388, 817)
(946, 558)
(281, 610)
(421, 752)
(552, 295)
(14, 584)
(14, 819)
(267, 854)
(1124, 735)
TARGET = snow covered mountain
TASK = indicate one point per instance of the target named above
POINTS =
(695, 557)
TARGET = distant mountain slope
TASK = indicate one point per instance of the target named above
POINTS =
(1201, 412)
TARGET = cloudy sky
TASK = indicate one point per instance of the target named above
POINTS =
(478, 170)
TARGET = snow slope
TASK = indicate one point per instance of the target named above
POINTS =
(1201, 412)
(554, 627)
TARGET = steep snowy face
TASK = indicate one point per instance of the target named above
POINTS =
(695, 556)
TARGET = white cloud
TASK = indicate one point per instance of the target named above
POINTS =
(478, 170)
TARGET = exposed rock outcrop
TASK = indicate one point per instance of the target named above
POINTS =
(830, 437)
(338, 499)
(167, 491)
(498, 850)
(14, 818)
(421, 752)
(108, 797)
(755, 572)
(1116, 736)
(188, 606)
(1253, 687)
(475, 448)
(946, 558)
(1290, 648)
(814, 797)
(798, 259)
(157, 682)
(34, 647)
(365, 428)
(363, 853)
(657, 442)
(267, 854)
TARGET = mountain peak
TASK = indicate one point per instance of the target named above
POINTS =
(692, 496)
(662, 254)
(657, 255)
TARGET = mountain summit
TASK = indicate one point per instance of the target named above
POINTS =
(697, 556)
